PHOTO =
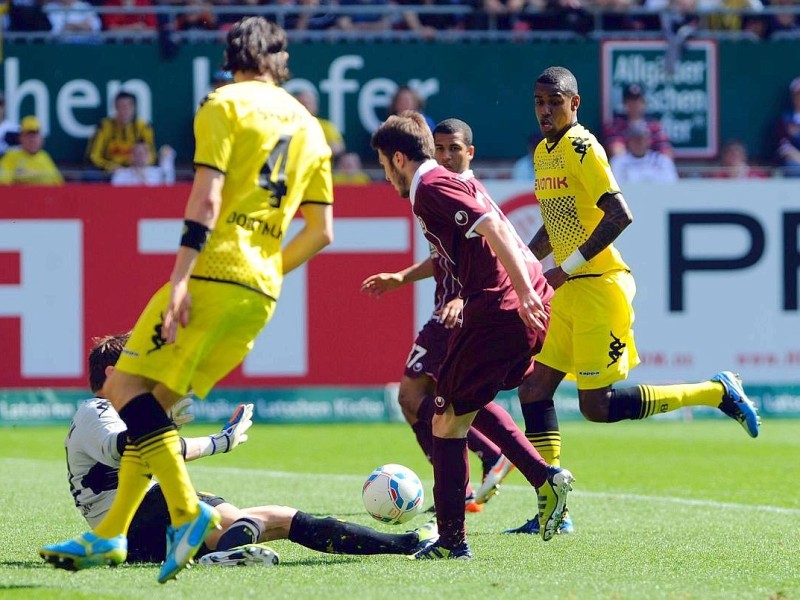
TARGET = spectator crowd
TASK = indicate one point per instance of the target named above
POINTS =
(69, 17)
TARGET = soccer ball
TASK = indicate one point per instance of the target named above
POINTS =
(393, 494)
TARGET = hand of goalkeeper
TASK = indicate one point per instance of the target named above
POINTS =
(234, 432)
(179, 413)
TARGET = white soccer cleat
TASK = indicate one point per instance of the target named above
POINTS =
(491, 483)
(249, 555)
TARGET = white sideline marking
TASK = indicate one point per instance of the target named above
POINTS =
(519, 488)
(515, 488)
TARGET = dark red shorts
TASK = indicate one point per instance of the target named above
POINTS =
(484, 359)
(428, 350)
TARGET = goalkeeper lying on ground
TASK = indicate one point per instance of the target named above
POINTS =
(94, 446)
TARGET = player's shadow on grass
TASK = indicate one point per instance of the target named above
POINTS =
(22, 586)
(322, 560)
(27, 564)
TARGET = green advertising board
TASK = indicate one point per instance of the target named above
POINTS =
(340, 405)
(71, 87)
(680, 89)
(708, 96)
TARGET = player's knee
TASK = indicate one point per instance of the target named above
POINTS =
(594, 410)
(409, 398)
(530, 392)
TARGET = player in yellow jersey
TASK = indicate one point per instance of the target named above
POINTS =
(260, 156)
(591, 336)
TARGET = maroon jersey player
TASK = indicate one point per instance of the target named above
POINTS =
(504, 321)
(454, 150)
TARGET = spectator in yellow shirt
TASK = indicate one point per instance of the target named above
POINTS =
(333, 136)
(111, 145)
(348, 170)
(29, 164)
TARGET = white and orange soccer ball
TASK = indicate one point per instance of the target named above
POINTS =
(393, 494)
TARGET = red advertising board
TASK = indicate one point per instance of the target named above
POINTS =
(81, 261)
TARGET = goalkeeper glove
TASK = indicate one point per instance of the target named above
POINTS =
(179, 413)
(234, 432)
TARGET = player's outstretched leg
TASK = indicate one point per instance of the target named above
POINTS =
(736, 404)
(86, 550)
(553, 500)
(259, 555)
(183, 542)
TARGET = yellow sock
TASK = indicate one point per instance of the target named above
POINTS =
(666, 398)
(548, 444)
(134, 477)
(162, 453)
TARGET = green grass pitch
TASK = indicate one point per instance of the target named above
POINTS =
(683, 510)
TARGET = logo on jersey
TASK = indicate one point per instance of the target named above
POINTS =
(417, 367)
(581, 146)
(439, 402)
(589, 373)
(461, 218)
(615, 349)
(550, 183)
(422, 224)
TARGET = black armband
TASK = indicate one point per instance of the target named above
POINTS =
(195, 235)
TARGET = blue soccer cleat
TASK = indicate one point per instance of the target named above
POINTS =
(531, 527)
(183, 542)
(736, 404)
(86, 550)
(436, 551)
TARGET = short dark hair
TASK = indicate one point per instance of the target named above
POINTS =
(561, 77)
(407, 133)
(453, 126)
(105, 353)
(255, 44)
(125, 96)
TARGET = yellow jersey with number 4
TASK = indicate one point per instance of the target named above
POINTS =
(275, 158)
(571, 176)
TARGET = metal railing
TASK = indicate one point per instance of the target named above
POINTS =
(282, 14)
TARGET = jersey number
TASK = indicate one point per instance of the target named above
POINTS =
(416, 354)
(276, 163)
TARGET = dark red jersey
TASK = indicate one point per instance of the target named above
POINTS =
(449, 207)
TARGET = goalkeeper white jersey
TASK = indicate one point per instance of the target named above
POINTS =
(93, 458)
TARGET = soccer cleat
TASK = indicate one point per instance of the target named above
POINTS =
(436, 551)
(491, 483)
(552, 497)
(736, 404)
(531, 527)
(469, 505)
(183, 542)
(86, 550)
(427, 534)
(258, 555)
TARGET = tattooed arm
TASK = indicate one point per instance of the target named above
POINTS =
(616, 217)
(540, 243)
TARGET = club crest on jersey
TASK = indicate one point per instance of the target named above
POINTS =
(439, 401)
(581, 146)
(461, 218)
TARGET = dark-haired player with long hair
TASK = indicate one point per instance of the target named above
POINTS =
(591, 334)
(260, 156)
(95, 445)
(504, 320)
